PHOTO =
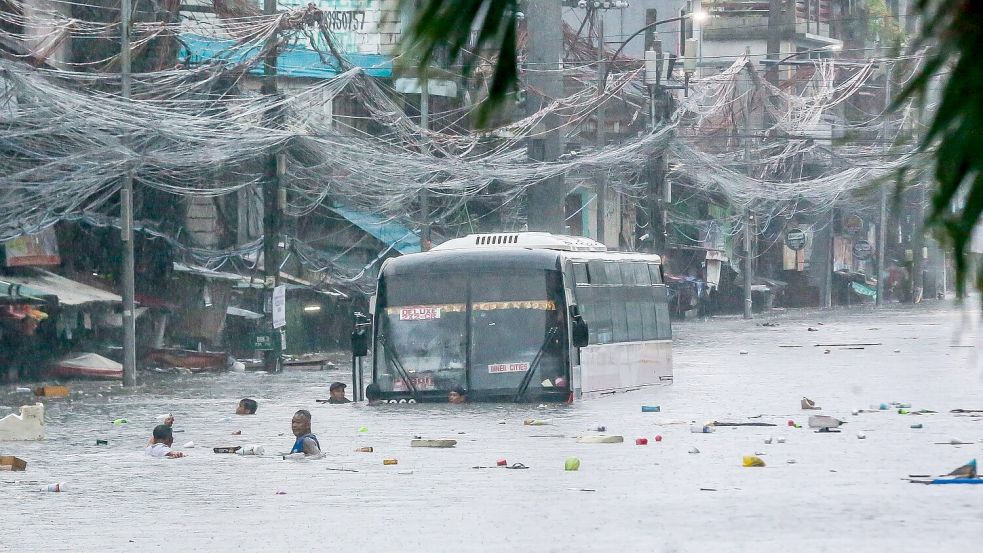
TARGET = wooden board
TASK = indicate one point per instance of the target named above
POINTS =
(433, 443)
(9, 462)
(600, 439)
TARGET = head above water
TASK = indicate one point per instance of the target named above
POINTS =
(163, 435)
(301, 423)
(457, 395)
(373, 392)
(247, 406)
(169, 420)
(337, 390)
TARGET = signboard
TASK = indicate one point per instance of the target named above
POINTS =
(862, 250)
(853, 224)
(263, 341)
(280, 306)
(795, 239)
(419, 382)
(419, 313)
(508, 368)
(39, 249)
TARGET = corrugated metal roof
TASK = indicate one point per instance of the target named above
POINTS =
(389, 233)
(39, 282)
(293, 61)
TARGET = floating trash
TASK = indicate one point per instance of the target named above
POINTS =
(641, 441)
(571, 464)
(390, 462)
(651, 409)
(600, 439)
(753, 461)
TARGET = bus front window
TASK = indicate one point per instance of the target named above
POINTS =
(422, 335)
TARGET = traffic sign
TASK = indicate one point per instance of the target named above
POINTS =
(862, 250)
(795, 239)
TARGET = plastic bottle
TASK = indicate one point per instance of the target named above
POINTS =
(58, 487)
(702, 428)
(651, 409)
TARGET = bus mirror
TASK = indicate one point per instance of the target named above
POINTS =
(579, 332)
(360, 342)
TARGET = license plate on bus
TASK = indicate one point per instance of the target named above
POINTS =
(419, 313)
(508, 368)
(420, 383)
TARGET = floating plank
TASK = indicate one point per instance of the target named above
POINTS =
(433, 443)
(9, 462)
(600, 439)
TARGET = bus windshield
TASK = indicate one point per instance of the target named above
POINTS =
(484, 331)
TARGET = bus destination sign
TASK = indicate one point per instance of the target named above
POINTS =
(508, 368)
(419, 313)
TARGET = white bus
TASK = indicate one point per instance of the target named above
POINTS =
(525, 316)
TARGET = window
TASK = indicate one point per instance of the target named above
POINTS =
(619, 318)
(596, 272)
(627, 274)
(650, 329)
(655, 271)
(580, 273)
(633, 310)
(613, 272)
(642, 277)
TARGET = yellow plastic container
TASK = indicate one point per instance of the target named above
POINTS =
(753, 461)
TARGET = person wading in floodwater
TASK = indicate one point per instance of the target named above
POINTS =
(306, 441)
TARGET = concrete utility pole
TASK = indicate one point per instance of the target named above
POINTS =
(601, 117)
(271, 192)
(126, 216)
(425, 224)
(656, 202)
(544, 50)
(774, 44)
(882, 215)
(748, 221)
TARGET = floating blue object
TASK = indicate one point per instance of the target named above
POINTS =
(958, 481)
(651, 408)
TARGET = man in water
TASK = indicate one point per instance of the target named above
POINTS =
(160, 444)
(246, 406)
(306, 441)
(373, 394)
(457, 395)
(337, 391)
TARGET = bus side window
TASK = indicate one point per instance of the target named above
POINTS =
(633, 309)
(627, 274)
(662, 313)
(613, 271)
(642, 277)
(596, 272)
(588, 310)
(655, 271)
(580, 273)
(619, 316)
(650, 327)
(602, 314)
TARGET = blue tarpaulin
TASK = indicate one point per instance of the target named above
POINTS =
(294, 60)
(389, 233)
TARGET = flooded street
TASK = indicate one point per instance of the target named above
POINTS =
(840, 494)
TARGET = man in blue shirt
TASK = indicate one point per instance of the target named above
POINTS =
(306, 441)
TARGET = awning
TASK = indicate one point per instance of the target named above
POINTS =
(244, 313)
(389, 233)
(38, 282)
(293, 61)
(207, 273)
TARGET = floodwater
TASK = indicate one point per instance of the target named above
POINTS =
(840, 494)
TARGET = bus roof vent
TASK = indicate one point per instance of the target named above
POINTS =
(531, 240)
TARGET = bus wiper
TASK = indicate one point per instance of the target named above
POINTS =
(402, 372)
(524, 385)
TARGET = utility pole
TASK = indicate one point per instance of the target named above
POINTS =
(657, 209)
(748, 220)
(774, 44)
(271, 193)
(882, 215)
(544, 50)
(425, 228)
(601, 117)
(126, 216)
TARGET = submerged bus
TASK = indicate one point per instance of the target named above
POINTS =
(525, 316)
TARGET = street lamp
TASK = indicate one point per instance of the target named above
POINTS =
(697, 16)
(835, 47)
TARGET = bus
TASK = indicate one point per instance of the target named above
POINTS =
(527, 316)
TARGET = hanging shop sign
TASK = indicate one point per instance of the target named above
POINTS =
(853, 224)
